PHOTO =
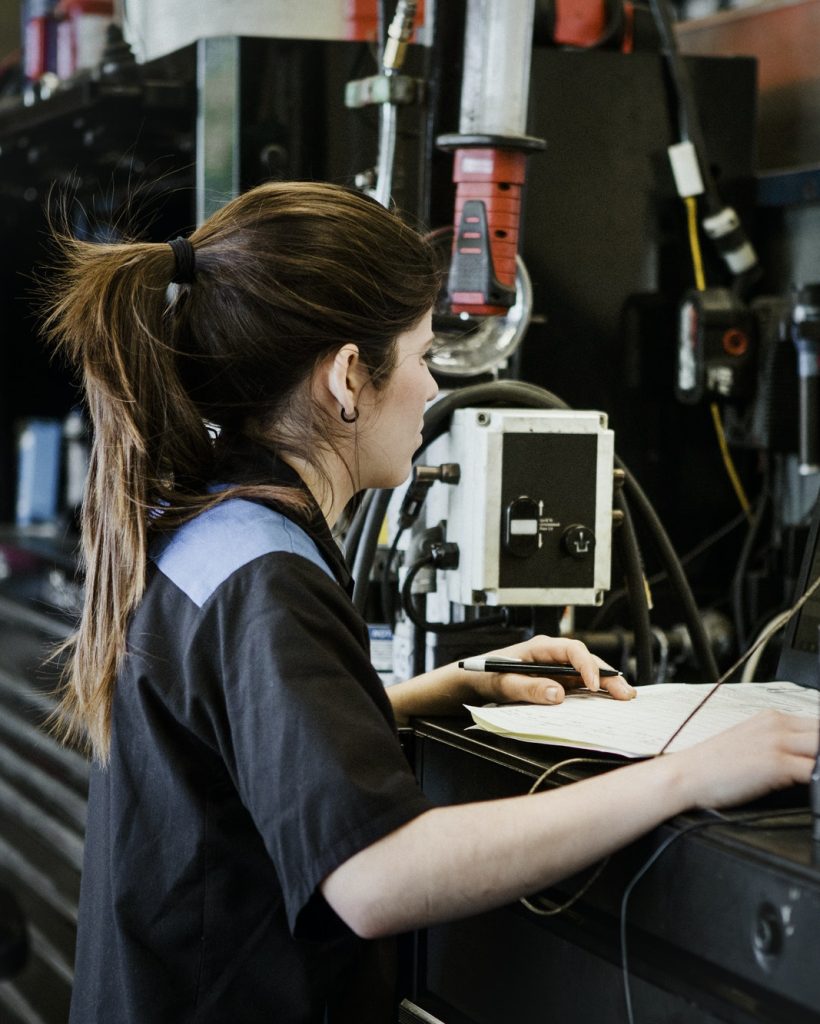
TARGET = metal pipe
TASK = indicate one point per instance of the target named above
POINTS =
(497, 58)
(398, 36)
(388, 119)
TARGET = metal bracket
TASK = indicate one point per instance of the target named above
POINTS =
(377, 89)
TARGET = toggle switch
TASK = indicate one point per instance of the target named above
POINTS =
(521, 527)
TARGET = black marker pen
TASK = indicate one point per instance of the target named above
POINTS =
(526, 668)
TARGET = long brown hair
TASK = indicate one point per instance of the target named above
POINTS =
(285, 274)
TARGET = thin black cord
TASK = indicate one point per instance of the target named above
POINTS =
(690, 127)
(745, 555)
(635, 580)
(762, 639)
(655, 856)
(749, 820)
(558, 908)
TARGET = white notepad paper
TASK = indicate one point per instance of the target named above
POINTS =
(641, 727)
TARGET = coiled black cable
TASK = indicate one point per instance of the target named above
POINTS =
(497, 619)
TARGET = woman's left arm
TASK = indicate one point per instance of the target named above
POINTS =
(445, 689)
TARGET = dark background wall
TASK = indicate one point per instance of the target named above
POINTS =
(9, 26)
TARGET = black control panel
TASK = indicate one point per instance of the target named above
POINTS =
(548, 493)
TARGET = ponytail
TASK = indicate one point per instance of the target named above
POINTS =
(110, 319)
(266, 288)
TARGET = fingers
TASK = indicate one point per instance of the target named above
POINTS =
(578, 655)
(532, 689)
(794, 734)
(798, 769)
(566, 651)
(618, 687)
(798, 735)
(807, 741)
(563, 651)
(769, 751)
(544, 690)
(795, 746)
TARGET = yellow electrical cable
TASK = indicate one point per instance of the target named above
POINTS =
(745, 504)
(700, 284)
(694, 241)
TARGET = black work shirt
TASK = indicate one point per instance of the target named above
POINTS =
(253, 751)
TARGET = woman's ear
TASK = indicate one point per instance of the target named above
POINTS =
(341, 377)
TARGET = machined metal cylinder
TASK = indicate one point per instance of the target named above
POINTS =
(497, 57)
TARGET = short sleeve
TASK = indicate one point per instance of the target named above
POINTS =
(307, 732)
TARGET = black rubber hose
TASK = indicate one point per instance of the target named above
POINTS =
(366, 550)
(513, 392)
(634, 580)
(677, 576)
(387, 589)
(354, 531)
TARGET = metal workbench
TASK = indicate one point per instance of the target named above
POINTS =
(724, 927)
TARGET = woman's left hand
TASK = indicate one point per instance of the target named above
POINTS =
(508, 686)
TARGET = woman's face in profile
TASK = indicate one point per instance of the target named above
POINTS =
(392, 418)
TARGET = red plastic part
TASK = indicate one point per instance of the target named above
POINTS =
(496, 177)
(579, 22)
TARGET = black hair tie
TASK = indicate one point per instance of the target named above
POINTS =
(185, 260)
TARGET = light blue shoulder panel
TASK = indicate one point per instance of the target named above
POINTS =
(204, 552)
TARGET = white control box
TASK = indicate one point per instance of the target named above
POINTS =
(532, 513)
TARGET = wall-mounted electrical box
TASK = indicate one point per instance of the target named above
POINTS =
(532, 513)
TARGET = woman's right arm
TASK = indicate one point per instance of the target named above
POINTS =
(454, 861)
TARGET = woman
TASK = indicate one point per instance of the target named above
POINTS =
(252, 821)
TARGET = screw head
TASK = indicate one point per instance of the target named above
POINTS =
(767, 933)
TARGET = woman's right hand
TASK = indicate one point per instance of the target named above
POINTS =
(770, 751)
